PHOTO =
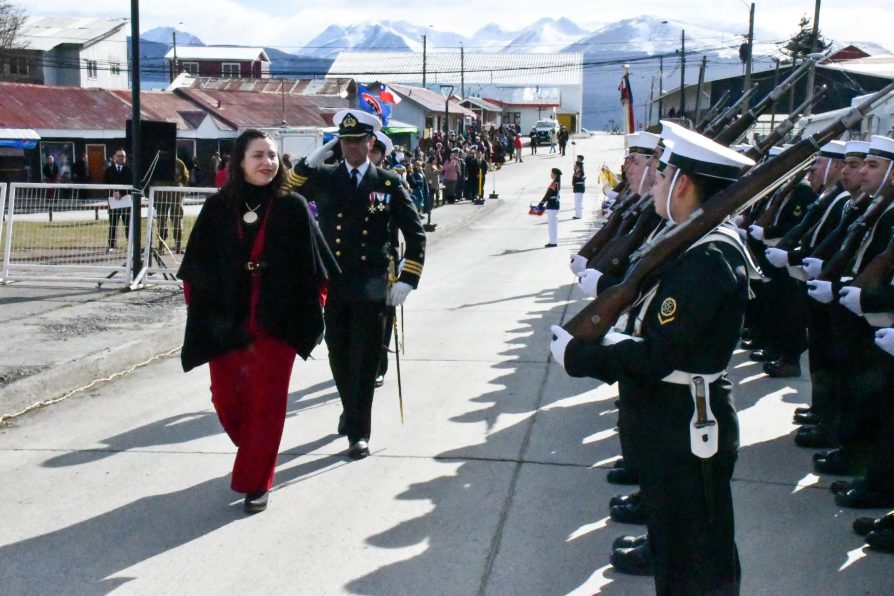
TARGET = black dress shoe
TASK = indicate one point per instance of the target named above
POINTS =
(255, 502)
(624, 499)
(633, 561)
(762, 355)
(550, 245)
(748, 344)
(811, 418)
(881, 540)
(815, 437)
(782, 369)
(837, 464)
(380, 380)
(857, 498)
(803, 409)
(630, 541)
(342, 425)
(842, 486)
(630, 513)
(864, 525)
(358, 450)
(624, 476)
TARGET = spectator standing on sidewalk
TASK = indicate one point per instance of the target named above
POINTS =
(518, 149)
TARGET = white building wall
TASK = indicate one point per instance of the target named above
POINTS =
(110, 51)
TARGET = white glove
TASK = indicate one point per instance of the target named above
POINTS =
(756, 232)
(777, 257)
(813, 267)
(557, 346)
(399, 293)
(589, 279)
(614, 337)
(849, 298)
(738, 220)
(319, 155)
(578, 263)
(743, 234)
(884, 338)
(819, 290)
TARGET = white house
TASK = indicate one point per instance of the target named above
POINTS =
(72, 52)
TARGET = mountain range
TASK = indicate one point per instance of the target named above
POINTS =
(643, 42)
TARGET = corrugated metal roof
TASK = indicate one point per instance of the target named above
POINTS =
(528, 96)
(483, 104)
(19, 133)
(45, 33)
(169, 107)
(218, 53)
(428, 99)
(318, 87)
(71, 108)
(876, 66)
(481, 68)
(244, 109)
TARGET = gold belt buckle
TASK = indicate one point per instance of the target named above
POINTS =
(253, 267)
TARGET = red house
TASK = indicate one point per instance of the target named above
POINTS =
(226, 62)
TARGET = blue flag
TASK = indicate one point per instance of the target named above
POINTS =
(373, 104)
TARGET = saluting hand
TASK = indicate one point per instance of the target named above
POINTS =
(319, 155)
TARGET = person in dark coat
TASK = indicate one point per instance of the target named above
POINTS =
(359, 206)
(253, 273)
(118, 173)
(671, 363)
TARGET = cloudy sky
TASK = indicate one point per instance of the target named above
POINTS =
(292, 23)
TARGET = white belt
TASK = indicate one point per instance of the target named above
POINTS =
(704, 435)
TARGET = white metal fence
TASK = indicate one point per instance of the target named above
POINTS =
(174, 209)
(3, 188)
(79, 232)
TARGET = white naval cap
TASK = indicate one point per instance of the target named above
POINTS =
(641, 142)
(833, 150)
(384, 142)
(856, 149)
(355, 123)
(698, 155)
(881, 147)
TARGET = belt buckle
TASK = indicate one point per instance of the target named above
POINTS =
(253, 267)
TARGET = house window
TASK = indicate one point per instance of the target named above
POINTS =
(18, 65)
(115, 69)
(191, 68)
(92, 70)
(230, 70)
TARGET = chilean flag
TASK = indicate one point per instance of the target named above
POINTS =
(627, 103)
(387, 96)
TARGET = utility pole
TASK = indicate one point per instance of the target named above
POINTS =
(682, 72)
(811, 74)
(423, 59)
(137, 194)
(462, 70)
(660, 87)
(747, 86)
(775, 83)
(698, 93)
(174, 63)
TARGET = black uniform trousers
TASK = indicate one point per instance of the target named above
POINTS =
(823, 362)
(880, 474)
(114, 216)
(390, 314)
(354, 332)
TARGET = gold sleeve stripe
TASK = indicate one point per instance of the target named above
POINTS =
(296, 180)
(413, 267)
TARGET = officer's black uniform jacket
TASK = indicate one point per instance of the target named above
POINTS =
(578, 178)
(692, 324)
(355, 223)
(294, 264)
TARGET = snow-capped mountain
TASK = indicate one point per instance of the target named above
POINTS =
(546, 35)
(165, 35)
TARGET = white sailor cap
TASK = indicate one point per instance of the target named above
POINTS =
(383, 142)
(641, 142)
(355, 123)
(833, 150)
(881, 147)
(856, 149)
(697, 155)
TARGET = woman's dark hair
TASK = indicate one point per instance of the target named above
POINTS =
(233, 191)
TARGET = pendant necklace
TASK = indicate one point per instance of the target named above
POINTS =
(250, 216)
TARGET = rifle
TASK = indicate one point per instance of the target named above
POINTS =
(718, 123)
(615, 258)
(785, 127)
(836, 266)
(601, 238)
(731, 133)
(708, 117)
(596, 318)
(766, 219)
(878, 271)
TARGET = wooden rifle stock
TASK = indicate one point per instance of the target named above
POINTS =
(615, 258)
(878, 271)
(731, 133)
(719, 122)
(607, 231)
(778, 133)
(766, 219)
(598, 316)
(709, 116)
(836, 266)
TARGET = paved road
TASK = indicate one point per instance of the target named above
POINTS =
(494, 484)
